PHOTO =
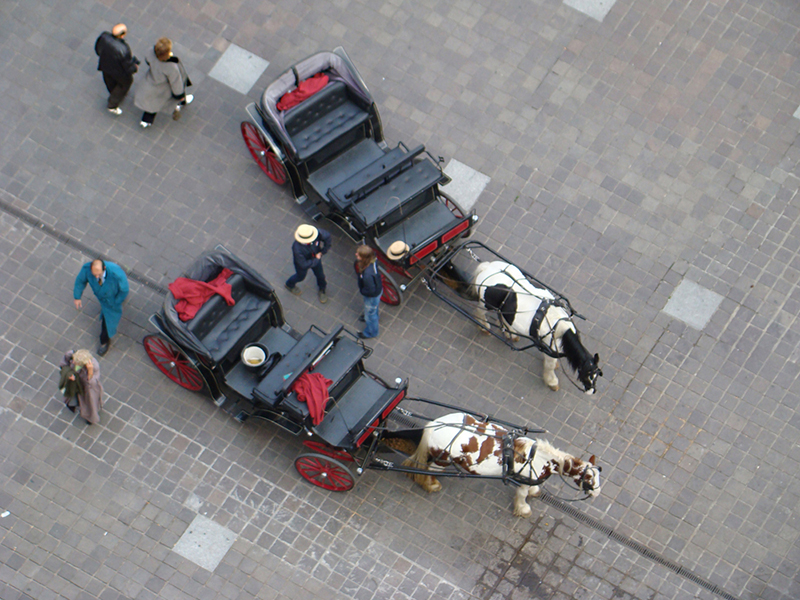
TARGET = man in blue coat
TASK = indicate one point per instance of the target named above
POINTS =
(110, 285)
(310, 244)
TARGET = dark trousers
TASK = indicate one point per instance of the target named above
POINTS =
(118, 88)
(301, 274)
(148, 117)
(104, 339)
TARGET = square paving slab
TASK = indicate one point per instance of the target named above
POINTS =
(597, 9)
(466, 185)
(205, 542)
(693, 304)
(238, 68)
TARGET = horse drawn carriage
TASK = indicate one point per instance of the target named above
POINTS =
(236, 347)
(318, 127)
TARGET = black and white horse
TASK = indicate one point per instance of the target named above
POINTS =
(526, 310)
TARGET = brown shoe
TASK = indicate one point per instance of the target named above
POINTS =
(176, 114)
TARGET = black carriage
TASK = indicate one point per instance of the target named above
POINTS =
(205, 353)
(317, 127)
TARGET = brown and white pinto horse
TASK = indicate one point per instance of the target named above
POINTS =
(460, 439)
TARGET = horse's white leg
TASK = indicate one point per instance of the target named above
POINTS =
(549, 374)
(535, 491)
(480, 314)
(521, 508)
(430, 483)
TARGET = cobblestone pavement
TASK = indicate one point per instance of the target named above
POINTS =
(625, 157)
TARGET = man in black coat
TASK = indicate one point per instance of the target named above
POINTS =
(117, 64)
(309, 246)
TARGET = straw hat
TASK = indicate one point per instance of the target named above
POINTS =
(306, 234)
(397, 250)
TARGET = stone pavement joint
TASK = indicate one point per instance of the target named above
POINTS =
(634, 545)
(74, 243)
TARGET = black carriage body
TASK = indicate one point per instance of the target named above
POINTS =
(332, 147)
(211, 343)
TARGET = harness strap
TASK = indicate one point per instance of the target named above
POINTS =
(544, 305)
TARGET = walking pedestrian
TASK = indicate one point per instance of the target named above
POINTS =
(110, 285)
(371, 288)
(164, 85)
(117, 64)
(80, 384)
(310, 245)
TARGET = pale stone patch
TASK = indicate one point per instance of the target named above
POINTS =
(239, 69)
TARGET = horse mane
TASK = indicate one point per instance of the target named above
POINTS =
(574, 351)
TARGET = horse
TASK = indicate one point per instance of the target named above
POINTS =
(477, 447)
(533, 312)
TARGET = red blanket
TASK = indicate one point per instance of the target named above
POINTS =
(312, 388)
(305, 89)
(192, 294)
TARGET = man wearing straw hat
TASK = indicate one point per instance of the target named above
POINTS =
(310, 244)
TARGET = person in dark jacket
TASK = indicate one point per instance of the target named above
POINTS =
(117, 64)
(310, 245)
(110, 285)
(371, 288)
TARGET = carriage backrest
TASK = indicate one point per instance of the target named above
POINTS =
(224, 330)
(328, 122)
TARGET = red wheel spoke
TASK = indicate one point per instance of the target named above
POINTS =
(173, 363)
(324, 472)
(263, 154)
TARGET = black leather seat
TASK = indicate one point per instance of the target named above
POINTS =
(322, 119)
(220, 327)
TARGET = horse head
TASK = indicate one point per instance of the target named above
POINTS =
(586, 365)
(588, 373)
(586, 475)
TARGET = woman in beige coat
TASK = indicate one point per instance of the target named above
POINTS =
(90, 391)
(164, 85)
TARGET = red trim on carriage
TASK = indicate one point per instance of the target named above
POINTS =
(394, 403)
(455, 231)
(424, 252)
(366, 433)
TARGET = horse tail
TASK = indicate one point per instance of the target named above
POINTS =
(420, 458)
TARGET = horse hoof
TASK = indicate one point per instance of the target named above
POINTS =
(514, 338)
(434, 487)
(554, 386)
(523, 512)
(484, 331)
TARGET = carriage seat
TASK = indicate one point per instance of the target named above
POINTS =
(337, 365)
(357, 412)
(324, 117)
(220, 327)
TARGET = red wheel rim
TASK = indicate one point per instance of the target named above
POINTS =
(173, 363)
(324, 472)
(327, 450)
(262, 154)
(391, 295)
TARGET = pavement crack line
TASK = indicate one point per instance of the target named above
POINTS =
(75, 243)
(626, 541)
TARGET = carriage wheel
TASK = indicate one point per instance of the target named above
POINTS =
(263, 154)
(328, 450)
(391, 291)
(324, 472)
(173, 363)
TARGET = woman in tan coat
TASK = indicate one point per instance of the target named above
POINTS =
(89, 390)
(164, 85)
